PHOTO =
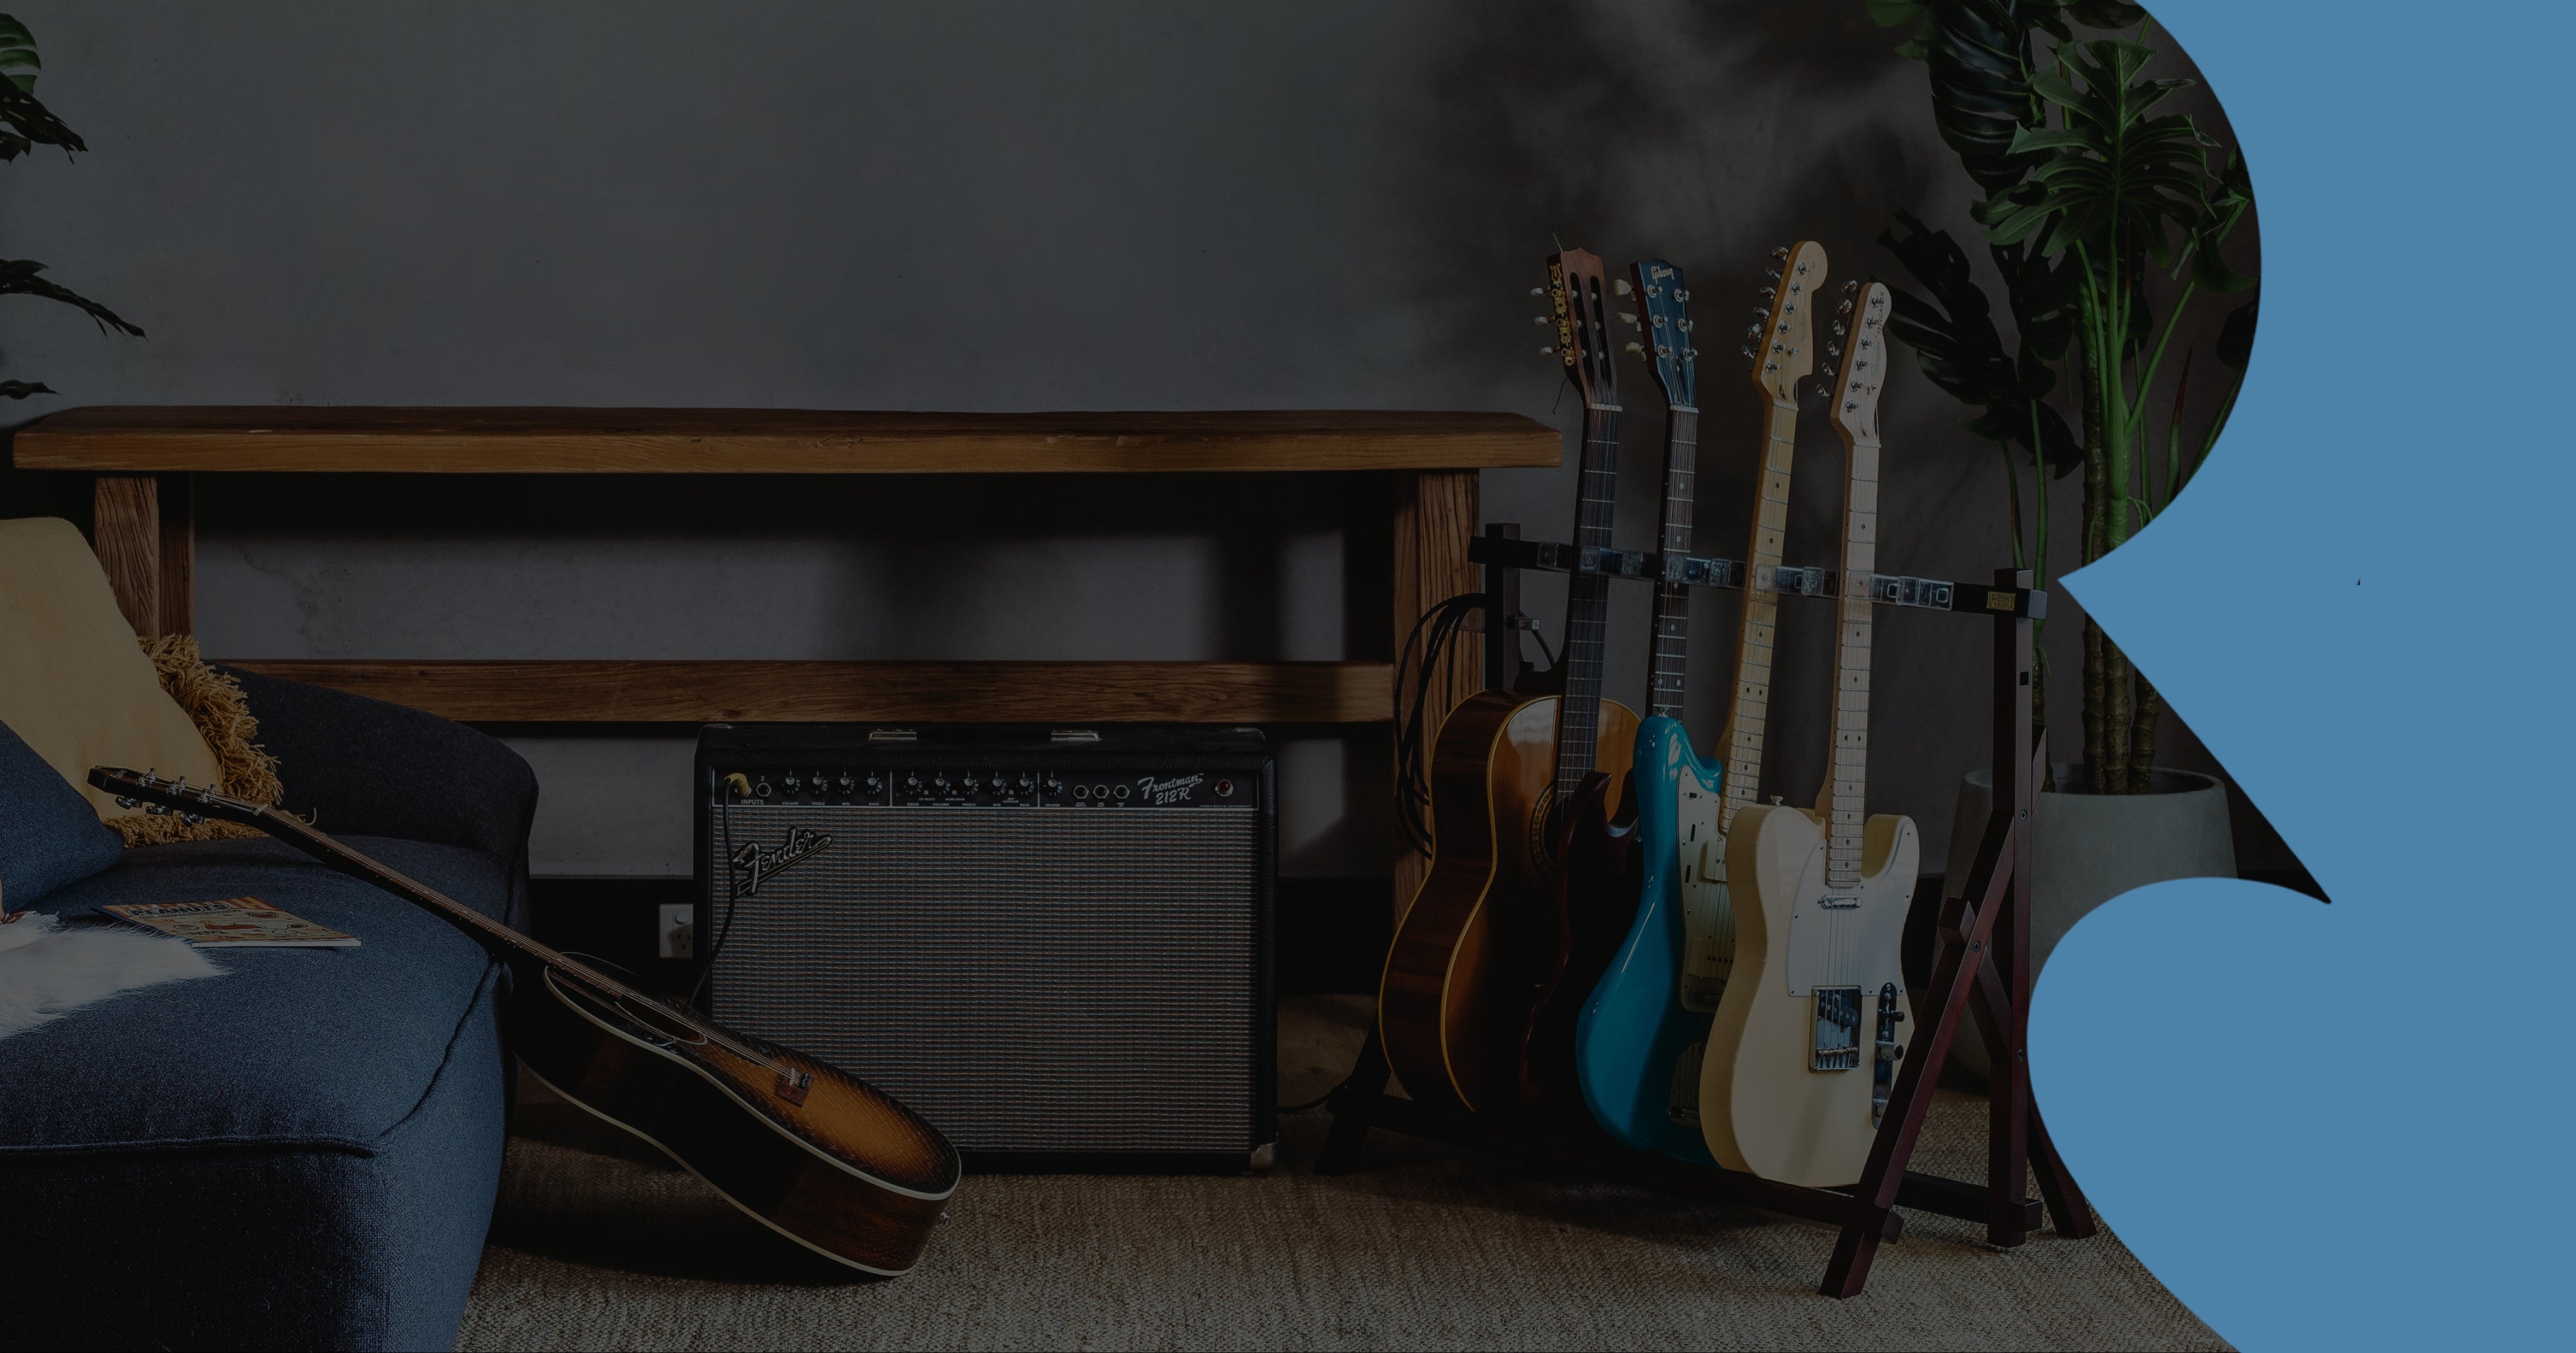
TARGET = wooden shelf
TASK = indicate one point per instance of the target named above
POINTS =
(797, 692)
(297, 439)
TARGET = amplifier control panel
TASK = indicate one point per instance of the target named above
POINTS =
(989, 786)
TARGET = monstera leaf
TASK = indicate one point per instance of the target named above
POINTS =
(2112, 172)
(30, 122)
(18, 278)
(1954, 337)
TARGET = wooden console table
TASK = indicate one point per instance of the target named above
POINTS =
(144, 457)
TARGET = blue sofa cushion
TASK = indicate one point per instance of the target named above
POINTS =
(316, 1047)
(49, 836)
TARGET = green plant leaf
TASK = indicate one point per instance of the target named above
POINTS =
(22, 389)
(1898, 13)
(2235, 344)
(1978, 54)
(18, 53)
(18, 278)
(2112, 177)
(1954, 338)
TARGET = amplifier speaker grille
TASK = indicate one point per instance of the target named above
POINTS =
(1036, 980)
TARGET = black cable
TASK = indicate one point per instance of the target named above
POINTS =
(1416, 729)
(733, 893)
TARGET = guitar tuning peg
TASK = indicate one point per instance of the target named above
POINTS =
(126, 800)
(1547, 352)
(1844, 309)
(1692, 353)
(1781, 252)
(1683, 325)
(1851, 287)
(1748, 354)
(1538, 319)
(1627, 317)
(1840, 328)
(1538, 291)
(1774, 274)
(1619, 286)
(1680, 295)
(1637, 348)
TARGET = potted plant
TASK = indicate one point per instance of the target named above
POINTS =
(26, 123)
(2105, 221)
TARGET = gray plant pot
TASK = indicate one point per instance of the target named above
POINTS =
(2089, 848)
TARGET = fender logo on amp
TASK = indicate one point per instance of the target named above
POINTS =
(762, 861)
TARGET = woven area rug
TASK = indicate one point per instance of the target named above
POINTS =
(1426, 1247)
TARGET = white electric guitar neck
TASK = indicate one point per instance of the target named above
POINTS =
(1803, 1050)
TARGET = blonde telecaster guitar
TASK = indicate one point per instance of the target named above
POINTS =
(1803, 1049)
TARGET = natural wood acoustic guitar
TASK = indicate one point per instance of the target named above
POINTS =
(1471, 950)
(1804, 1045)
(817, 1155)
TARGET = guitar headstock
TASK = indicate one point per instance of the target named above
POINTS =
(1782, 339)
(173, 796)
(1664, 298)
(1860, 348)
(1578, 295)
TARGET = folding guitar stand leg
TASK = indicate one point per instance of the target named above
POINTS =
(1984, 961)
(1985, 958)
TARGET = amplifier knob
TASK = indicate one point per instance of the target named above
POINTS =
(848, 784)
(912, 782)
(873, 782)
(940, 784)
(792, 783)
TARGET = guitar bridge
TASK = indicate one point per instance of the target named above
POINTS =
(794, 1084)
(1837, 1046)
(1882, 1076)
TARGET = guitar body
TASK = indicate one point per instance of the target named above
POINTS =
(814, 1154)
(1764, 1105)
(1640, 1040)
(1594, 901)
(1455, 1000)
(840, 1168)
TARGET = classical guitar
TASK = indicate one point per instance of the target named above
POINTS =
(813, 1153)
(1644, 1031)
(1803, 1048)
(1470, 951)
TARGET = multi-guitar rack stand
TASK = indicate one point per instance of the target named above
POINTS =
(1984, 959)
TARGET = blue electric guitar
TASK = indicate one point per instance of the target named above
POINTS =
(1640, 1043)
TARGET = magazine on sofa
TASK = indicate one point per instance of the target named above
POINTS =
(239, 921)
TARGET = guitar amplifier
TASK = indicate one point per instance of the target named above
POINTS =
(1055, 944)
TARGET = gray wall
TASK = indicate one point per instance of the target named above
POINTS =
(969, 206)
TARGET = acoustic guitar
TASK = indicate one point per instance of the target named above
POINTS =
(1469, 954)
(1644, 1032)
(1803, 1048)
(817, 1155)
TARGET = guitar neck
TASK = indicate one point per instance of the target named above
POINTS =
(1587, 605)
(1745, 719)
(492, 934)
(1844, 798)
(1668, 665)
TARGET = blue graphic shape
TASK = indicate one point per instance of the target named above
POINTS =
(2344, 1126)
(1634, 1027)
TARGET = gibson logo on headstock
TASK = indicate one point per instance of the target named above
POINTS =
(762, 861)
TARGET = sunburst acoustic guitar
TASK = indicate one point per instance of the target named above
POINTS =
(1804, 1045)
(1470, 951)
(1644, 1031)
(817, 1155)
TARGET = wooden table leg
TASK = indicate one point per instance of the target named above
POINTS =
(144, 530)
(1435, 514)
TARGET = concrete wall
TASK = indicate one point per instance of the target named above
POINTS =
(971, 206)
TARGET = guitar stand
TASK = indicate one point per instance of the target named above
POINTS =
(1983, 959)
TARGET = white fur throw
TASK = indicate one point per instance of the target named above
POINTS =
(47, 970)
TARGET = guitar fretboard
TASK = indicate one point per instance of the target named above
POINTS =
(1669, 664)
(1752, 706)
(1846, 795)
(1587, 605)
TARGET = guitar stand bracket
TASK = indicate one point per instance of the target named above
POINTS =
(1929, 594)
(1983, 960)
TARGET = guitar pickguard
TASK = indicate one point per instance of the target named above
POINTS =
(1708, 919)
